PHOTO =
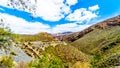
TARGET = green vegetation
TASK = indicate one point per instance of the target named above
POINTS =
(2, 39)
(68, 53)
(99, 48)
(47, 61)
(25, 38)
(103, 45)
(4, 32)
(6, 62)
(38, 37)
(15, 37)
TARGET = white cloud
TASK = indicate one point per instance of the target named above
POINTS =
(3, 2)
(94, 8)
(21, 26)
(52, 10)
(71, 2)
(55, 10)
(73, 27)
(81, 15)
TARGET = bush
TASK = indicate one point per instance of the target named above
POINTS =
(47, 61)
(4, 32)
(2, 39)
(6, 61)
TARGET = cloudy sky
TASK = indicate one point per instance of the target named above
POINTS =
(54, 16)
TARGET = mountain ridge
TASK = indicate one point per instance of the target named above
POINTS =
(101, 25)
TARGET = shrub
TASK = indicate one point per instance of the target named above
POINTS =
(6, 61)
(2, 39)
(47, 61)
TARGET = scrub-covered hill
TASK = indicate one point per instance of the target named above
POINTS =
(104, 45)
(101, 40)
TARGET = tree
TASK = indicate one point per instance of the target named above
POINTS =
(4, 28)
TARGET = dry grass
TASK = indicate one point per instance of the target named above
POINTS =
(81, 65)
(21, 64)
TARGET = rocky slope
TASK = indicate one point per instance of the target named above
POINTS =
(101, 25)
(35, 49)
(10, 48)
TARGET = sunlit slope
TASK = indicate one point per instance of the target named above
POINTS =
(103, 43)
(115, 21)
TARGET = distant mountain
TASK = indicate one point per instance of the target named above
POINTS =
(59, 36)
(68, 32)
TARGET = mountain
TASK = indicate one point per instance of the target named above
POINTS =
(98, 46)
(101, 25)
(101, 40)
(59, 36)
(103, 44)
(68, 32)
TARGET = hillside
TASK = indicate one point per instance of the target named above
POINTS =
(39, 50)
(95, 47)
(115, 21)
(101, 40)
(49, 34)
(42, 36)
(102, 43)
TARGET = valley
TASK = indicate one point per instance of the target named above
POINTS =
(98, 46)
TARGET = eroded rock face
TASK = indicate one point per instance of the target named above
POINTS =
(31, 50)
(101, 25)
(108, 23)
(13, 49)
(35, 49)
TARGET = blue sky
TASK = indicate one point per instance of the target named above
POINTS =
(54, 16)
